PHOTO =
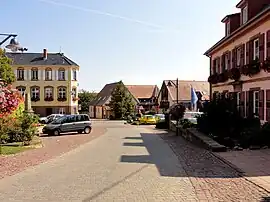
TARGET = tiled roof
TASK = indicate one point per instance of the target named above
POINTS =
(143, 91)
(37, 59)
(104, 95)
(184, 89)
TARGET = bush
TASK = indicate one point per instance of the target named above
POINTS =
(178, 112)
(19, 129)
(185, 123)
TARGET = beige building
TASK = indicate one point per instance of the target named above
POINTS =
(240, 61)
(50, 78)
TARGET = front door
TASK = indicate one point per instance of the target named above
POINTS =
(49, 111)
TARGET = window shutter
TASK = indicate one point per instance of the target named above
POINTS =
(261, 104)
(39, 74)
(15, 73)
(56, 75)
(242, 104)
(242, 56)
(251, 50)
(218, 65)
(249, 103)
(29, 74)
(247, 52)
(44, 75)
(66, 75)
(222, 63)
(233, 58)
(229, 60)
(261, 47)
(268, 43)
(268, 105)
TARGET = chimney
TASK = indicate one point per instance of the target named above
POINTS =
(45, 54)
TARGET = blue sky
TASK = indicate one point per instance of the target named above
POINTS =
(137, 41)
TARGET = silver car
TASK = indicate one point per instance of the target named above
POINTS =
(70, 123)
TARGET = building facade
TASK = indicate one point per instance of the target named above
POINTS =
(146, 95)
(51, 79)
(167, 96)
(240, 62)
(99, 108)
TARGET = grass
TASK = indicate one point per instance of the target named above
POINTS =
(16, 147)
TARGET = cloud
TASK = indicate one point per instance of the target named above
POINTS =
(148, 24)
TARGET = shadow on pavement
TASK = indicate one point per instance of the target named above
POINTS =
(196, 162)
(265, 199)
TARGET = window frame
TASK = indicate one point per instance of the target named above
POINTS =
(226, 58)
(62, 92)
(20, 70)
(48, 78)
(34, 77)
(256, 51)
(256, 109)
(37, 93)
(21, 87)
(61, 74)
(45, 92)
(228, 27)
(74, 75)
(238, 56)
(244, 14)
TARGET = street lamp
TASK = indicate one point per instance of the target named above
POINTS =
(176, 85)
(13, 44)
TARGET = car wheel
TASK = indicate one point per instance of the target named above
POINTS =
(87, 130)
(56, 132)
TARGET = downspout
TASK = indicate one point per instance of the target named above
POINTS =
(210, 85)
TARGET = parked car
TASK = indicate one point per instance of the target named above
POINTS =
(192, 116)
(50, 118)
(69, 123)
(160, 117)
(147, 119)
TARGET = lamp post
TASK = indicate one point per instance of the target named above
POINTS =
(176, 85)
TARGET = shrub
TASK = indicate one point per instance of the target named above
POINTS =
(185, 123)
(178, 112)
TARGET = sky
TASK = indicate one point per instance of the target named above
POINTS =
(141, 42)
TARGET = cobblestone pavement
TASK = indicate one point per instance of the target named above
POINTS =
(131, 163)
(212, 179)
(114, 167)
(53, 146)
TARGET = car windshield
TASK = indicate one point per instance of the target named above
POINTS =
(58, 121)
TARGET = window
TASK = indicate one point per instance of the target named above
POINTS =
(238, 100)
(61, 74)
(227, 59)
(21, 90)
(238, 56)
(48, 74)
(62, 92)
(35, 92)
(228, 28)
(61, 110)
(256, 102)
(20, 74)
(244, 15)
(256, 50)
(34, 74)
(48, 92)
(74, 73)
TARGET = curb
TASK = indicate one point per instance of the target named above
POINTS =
(241, 173)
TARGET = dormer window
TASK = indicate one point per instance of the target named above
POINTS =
(244, 15)
(228, 28)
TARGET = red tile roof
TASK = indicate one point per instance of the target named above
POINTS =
(143, 91)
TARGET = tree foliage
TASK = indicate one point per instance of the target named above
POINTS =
(6, 72)
(85, 97)
(121, 103)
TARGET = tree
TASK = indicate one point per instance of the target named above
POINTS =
(85, 97)
(121, 103)
(6, 72)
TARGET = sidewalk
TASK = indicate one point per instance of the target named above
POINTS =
(255, 165)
